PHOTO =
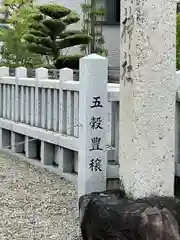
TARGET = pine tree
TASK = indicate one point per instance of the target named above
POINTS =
(49, 35)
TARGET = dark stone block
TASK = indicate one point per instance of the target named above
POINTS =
(110, 215)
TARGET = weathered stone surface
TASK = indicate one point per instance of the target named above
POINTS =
(111, 215)
(147, 96)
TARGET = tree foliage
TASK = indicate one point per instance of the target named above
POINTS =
(18, 15)
(93, 21)
(49, 35)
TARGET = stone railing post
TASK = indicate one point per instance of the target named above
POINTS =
(93, 117)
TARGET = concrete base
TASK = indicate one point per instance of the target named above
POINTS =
(30, 148)
(76, 162)
(17, 141)
(111, 153)
(64, 158)
(5, 138)
(67, 160)
(47, 153)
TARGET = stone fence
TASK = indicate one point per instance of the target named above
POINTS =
(72, 126)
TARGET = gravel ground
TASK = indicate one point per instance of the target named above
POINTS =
(35, 204)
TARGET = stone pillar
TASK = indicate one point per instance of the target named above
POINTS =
(147, 96)
(4, 72)
(17, 141)
(5, 138)
(47, 153)
(21, 72)
(93, 116)
(30, 147)
(41, 74)
(64, 156)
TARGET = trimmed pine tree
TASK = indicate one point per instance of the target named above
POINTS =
(49, 36)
